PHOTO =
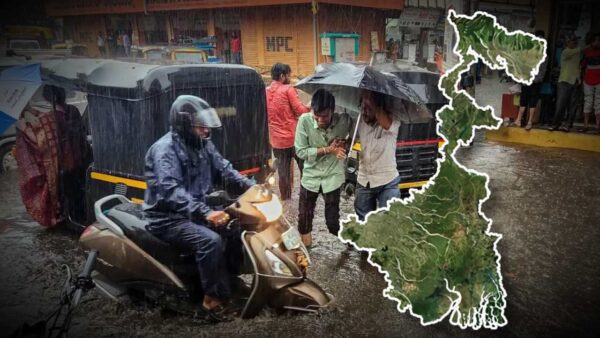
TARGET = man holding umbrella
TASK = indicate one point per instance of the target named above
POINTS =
(378, 177)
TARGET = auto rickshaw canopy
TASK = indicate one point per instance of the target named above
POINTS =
(128, 107)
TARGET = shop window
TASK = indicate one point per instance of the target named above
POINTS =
(188, 26)
(85, 37)
(153, 29)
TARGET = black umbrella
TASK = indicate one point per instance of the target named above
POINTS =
(346, 81)
(420, 80)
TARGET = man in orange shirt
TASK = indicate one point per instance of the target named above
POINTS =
(284, 108)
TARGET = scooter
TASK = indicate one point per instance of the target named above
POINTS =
(133, 262)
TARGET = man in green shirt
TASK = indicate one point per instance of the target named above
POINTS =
(320, 142)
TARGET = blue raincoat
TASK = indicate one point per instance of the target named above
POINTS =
(180, 177)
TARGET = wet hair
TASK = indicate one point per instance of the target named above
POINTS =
(279, 69)
(322, 100)
(55, 95)
(379, 100)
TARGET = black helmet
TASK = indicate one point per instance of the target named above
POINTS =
(190, 111)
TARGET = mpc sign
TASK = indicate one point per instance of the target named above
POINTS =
(279, 44)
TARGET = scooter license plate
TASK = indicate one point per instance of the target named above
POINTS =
(291, 239)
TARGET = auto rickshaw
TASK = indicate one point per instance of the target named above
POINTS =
(128, 107)
(77, 49)
(189, 55)
(151, 53)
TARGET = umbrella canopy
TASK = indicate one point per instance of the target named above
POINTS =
(17, 86)
(420, 80)
(346, 81)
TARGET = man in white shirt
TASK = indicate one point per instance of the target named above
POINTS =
(378, 177)
(100, 43)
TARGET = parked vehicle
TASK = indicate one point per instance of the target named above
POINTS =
(76, 49)
(128, 105)
(189, 55)
(30, 48)
(151, 53)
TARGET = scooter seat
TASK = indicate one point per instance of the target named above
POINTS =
(129, 217)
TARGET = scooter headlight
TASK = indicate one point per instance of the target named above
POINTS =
(277, 265)
(272, 209)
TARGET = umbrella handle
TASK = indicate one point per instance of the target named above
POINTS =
(353, 140)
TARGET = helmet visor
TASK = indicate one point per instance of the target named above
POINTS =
(207, 118)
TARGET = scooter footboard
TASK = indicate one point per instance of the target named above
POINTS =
(306, 296)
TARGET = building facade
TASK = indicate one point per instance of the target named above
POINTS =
(270, 30)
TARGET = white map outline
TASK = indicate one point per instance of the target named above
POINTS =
(453, 308)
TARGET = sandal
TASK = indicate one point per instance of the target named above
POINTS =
(528, 127)
(214, 315)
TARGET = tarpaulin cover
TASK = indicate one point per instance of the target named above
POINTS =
(37, 158)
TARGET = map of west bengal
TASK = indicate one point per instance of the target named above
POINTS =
(436, 250)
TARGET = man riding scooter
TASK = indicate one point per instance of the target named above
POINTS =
(180, 169)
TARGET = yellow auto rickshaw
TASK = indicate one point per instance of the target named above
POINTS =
(189, 55)
(77, 49)
(151, 53)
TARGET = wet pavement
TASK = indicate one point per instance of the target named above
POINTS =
(544, 201)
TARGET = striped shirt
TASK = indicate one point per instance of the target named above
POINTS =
(591, 62)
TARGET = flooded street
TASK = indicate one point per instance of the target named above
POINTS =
(544, 201)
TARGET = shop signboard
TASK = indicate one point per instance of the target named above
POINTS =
(326, 46)
(344, 50)
(419, 17)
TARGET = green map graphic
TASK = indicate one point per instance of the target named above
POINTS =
(436, 250)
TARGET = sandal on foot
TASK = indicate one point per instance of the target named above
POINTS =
(214, 315)
(528, 127)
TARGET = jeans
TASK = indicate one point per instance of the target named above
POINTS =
(565, 101)
(591, 99)
(368, 199)
(215, 258)
(283, 159)
(306, 210)
(227, 55)
(237, 58)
